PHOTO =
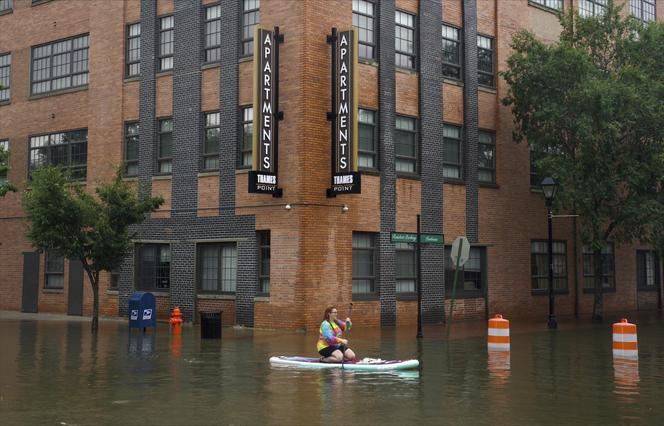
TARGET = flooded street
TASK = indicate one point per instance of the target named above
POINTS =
(54, 372)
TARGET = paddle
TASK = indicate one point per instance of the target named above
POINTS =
(343, 354)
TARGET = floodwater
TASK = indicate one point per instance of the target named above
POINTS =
(54, 372)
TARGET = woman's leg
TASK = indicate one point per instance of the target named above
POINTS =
(335, 357)
(349, 355)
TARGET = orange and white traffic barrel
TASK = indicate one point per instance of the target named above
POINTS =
(499, 334)
(624, 340)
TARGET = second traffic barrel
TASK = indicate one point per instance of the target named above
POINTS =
(210, 325)
(624, 340)
(499, 334)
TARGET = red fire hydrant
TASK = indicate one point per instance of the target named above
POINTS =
(176, 321)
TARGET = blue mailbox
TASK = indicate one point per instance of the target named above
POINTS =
(142, 310)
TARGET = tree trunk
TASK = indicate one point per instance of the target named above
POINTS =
(95, 304)
(598, 291)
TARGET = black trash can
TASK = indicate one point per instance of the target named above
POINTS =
(210, 325)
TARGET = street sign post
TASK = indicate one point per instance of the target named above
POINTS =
(460, 254)
(418, 238)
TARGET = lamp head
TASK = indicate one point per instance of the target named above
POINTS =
(549, 188)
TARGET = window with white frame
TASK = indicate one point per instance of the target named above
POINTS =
(588, 8)
(165, 148)
(54, 271)
(6, 5)
(247, 142)
(131, 148)
(405, 145)
(364, 263)
(211, 141)
(133, 67)
(217, 268)
(166, 43)
(608, 268)
(250, 18)
(5, 76)
(486, 164)
(368, 148)
(154, 267)
(647, 270)
(485, 67)
(452, 151)
(471, 279)
(364, 20)
(452, 52)
(549, 4)
(404, 40)
(60, 65)
(213, 33)
(66, 149)
(406, 260)
(4, 147)
(643, 10)
(539, 265)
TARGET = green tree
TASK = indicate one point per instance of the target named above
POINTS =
(5, 186)
(591, 106)
(63, 218)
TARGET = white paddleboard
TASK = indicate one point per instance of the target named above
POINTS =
(365, 364)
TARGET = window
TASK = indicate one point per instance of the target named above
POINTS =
(535, 174)
(643, 10)
(364, 263)
(404, 41)
(213, 33)
(406, 275)
(539, 265)
(647, 270)
(165, 151)
(5, 5)
(485, 75)
(55, 271)
(217, 268)
(486, 164)
(4, 147)
(166, 43)
(452, 151)
(5, 76)
(589, 8)
(263, 262)
(405, 145)
(452, 52)
(154, 267)
(131, 149)
(250, 18)
(363, 20)
(550, 4)
(211, 141)
(114, 283)
(247, 143)
(66, 149)
(133, 67)
(60, 65)
(367, 151)
(472, 281)
(608, 282)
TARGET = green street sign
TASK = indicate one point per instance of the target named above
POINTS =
(411, 237)
(403, 237)
(432, 238)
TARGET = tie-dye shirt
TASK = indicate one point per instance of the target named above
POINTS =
(330, 333)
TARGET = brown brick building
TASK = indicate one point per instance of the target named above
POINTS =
(166, 86)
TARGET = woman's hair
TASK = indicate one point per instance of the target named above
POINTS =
(326, 315)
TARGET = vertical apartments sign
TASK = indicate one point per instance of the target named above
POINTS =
(263, 176)
(345, 177)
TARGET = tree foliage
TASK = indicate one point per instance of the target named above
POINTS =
(5, 186)
(64, 218)
(591, 106)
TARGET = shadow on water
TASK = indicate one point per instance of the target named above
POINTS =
(56, 371)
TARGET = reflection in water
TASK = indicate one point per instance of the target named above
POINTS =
(499, 367)
(54, 371)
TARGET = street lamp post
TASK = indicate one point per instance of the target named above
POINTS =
(549, 188)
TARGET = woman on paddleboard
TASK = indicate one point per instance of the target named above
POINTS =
(331, 346)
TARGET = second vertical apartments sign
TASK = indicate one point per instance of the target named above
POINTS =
(263, 176)
(345, 177)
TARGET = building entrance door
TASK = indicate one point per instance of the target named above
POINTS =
(30, 282)
(75, 293)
